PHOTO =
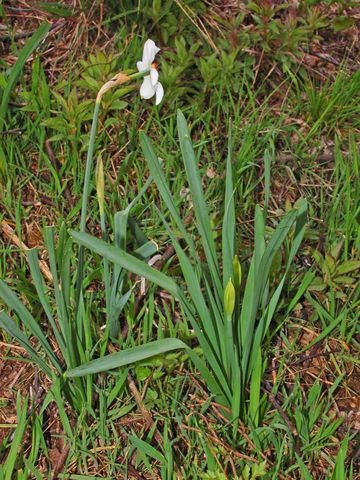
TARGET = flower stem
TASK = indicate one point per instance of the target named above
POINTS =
(119, 79)
(88, 169)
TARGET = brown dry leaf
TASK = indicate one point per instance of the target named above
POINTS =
(210, 172)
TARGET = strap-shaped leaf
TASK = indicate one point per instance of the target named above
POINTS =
(200, 207)
(38, 280)
(127, 357)
(13, 302)
(160, 180)
(12, 329)
(127, 261)
(228, 229)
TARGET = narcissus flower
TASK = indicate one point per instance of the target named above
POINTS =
(151, 85)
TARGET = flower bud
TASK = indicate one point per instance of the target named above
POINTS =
(229, 298)
(237, 274)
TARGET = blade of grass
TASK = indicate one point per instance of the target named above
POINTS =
(12, 329)
(267, 164)
(265, 320)
(255, 385)
(13, 455)
(25, 53)
(200, 207)
(259, 279)
(160, 180)
(147, 449)
(12, 301)
(85, 197)
(38, 280)
(67, 327)
(228, 229)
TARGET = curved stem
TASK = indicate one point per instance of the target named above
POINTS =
(85, 197)
(119, 79)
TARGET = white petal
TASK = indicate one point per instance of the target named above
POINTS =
(141, 66)
(149, 52)
(154, 76)
(147, 90)
(159, 93)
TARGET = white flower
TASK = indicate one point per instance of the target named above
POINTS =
(150, 86)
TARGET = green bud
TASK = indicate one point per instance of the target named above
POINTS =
(100, 184)
(229, 298)
(237, 274)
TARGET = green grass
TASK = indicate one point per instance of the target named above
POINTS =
(293, 135)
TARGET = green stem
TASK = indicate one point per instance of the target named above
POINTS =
(135, 76)
(85, 197)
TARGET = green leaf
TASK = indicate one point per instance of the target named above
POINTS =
(147, 449)
(330, 263)
(325, 332)
(56, 123)
(25, 53)
(259, 470)
(229, 220)
(344, 279)
(255, 385)
(12, 301)
(127, 357)
(127, 261)
(202, 321)
(342, 22)
(317, 285)
(160, 180)
(336, 250)
(38, 280)
(17, 442)
(12, 329)
(305, 474)
(347, 267)
(339, 472)
(118, 105)
(258, 278)
(200, 207)
(142, 373)
(263, 326)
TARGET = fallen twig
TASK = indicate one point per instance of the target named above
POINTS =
(61, 461)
